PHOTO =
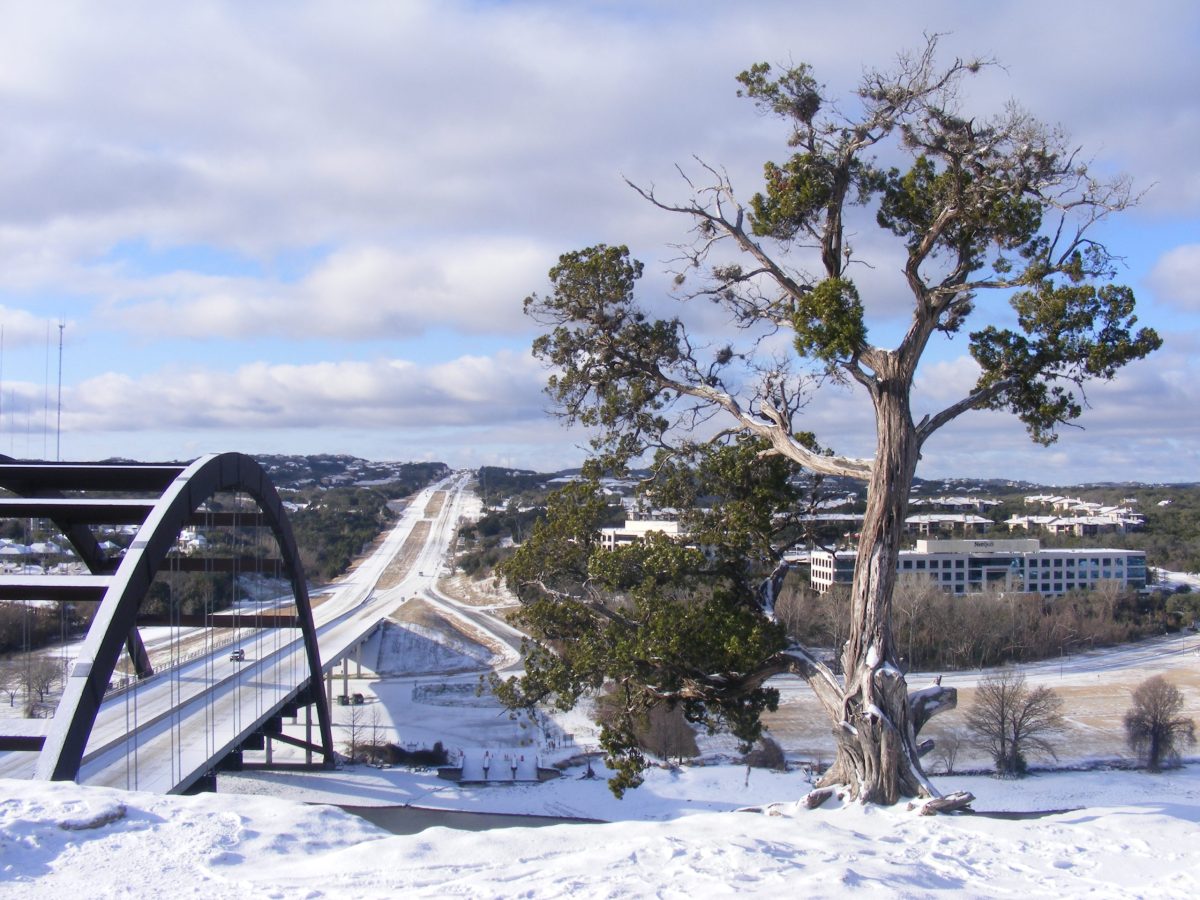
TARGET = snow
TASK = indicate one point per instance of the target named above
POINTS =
(1107, 833)
(1123, 834)
(1176, 580)
(1133, 838)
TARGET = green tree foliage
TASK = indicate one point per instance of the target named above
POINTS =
(658, 621)
(489, 541)
(189, 593)
(336, 521)
(497, 486)
(984, 210)
(335, 527)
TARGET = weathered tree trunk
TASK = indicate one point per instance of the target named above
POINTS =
(877, 753)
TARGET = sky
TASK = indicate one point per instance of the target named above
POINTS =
(308, 227)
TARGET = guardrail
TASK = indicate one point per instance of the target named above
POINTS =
(125, 682)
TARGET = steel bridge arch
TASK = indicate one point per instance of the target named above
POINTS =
(114, 625)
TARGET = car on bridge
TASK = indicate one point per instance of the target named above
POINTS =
(238, 655)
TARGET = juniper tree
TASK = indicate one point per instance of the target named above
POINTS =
(995, 219)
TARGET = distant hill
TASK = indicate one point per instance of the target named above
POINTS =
(340, 470)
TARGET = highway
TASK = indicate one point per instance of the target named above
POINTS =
(167, 729)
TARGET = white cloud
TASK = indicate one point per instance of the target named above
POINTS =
(473, 287)
(434, 158)
(1176, 277)
(22, 327)
(1141, 426)
(381, 394)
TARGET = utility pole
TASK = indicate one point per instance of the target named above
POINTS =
(58, 423)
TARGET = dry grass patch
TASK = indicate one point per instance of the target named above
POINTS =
(402, 563)
(484, 592)
(436, 502)
(423, 614)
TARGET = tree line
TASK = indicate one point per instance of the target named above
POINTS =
(337, 525)
(938, 630)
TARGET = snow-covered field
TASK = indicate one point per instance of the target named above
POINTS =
(1135, 838)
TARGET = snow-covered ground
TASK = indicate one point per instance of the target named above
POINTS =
(1189, 580)
(680, 835)
(1136, 838)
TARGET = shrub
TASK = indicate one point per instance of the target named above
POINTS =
(767, 754)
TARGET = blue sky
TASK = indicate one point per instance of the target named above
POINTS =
(308, 227)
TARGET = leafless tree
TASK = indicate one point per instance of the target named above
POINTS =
(10, 680)
(355, 727)
(911, 601)
(1010, 720)
(39, 675)
(668, 735)
(1154, 726)
(947, 748)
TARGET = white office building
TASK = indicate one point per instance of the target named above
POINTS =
(635, 530)
(971, 566)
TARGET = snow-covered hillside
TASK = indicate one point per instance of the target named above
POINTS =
(59, 840)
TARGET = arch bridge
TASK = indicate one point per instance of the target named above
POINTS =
(201, 700)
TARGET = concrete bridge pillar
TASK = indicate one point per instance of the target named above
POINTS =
(308, 733)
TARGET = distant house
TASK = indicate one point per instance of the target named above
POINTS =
(635, 530)
(1108, 520)
(192, 541)
(954, 504)
(947, 523)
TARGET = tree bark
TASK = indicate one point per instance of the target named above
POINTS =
(877, 753)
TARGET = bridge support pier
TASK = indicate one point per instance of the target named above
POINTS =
(308, 735)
